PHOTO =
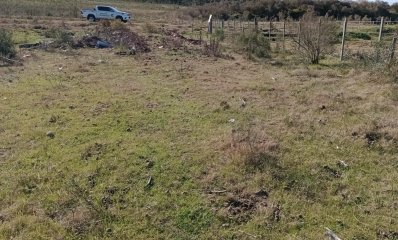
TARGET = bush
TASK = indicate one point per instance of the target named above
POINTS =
(7, 48)
(213, 49)
(316, 39)
(118, 26)
(254, 43)
(359, 35)
(61, 37)
(219, 34)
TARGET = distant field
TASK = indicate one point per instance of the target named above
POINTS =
(174, 144)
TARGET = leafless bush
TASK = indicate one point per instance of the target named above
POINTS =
(213, 48)
(316, 38)
(255, 149)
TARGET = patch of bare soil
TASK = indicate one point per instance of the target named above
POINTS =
(93, 151)
(4, 153)
(240, 207)
(177, 36)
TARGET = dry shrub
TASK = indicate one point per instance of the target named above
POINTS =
(150, 28)
(78, 220)
(213, 48)
(172, 42)
(253, 147)
(105, 23)
(118, 26)
(316, 38)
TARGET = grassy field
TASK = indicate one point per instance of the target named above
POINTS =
(173, 144)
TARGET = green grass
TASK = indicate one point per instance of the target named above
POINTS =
(121, 121)
(26, 36)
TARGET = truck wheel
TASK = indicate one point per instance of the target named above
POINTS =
(91, 18)
(119, 18)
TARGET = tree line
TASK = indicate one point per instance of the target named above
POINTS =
(294, 9)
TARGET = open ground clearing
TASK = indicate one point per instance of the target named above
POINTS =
(173, 144)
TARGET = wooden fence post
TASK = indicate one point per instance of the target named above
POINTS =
(283, 35)
(270, 29)
(210, 24)
(392, 49)
(255, 24)
(299, 34)
(343, 39)
(381, 28)
(222, 24)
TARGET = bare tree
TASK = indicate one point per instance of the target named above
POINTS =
(316, 37)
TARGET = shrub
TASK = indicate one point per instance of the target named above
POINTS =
(150, 28)
(219, 34)
(118, 26)
(61, 37)
(7, 48)
(316, 38)
(213, 48)
(253, 147)
(254, 43)
(359, 35)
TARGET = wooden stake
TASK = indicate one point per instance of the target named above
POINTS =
(283, 36)
(210, 24)
(381, 28)
(270, 29)
(299, 34)
(343, 39)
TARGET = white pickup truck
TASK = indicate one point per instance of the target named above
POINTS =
(105, 12)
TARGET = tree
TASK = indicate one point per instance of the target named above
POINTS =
(316, 38)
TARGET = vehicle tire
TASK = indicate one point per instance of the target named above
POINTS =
(124, 21)
(91, 18)
(119, 18)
